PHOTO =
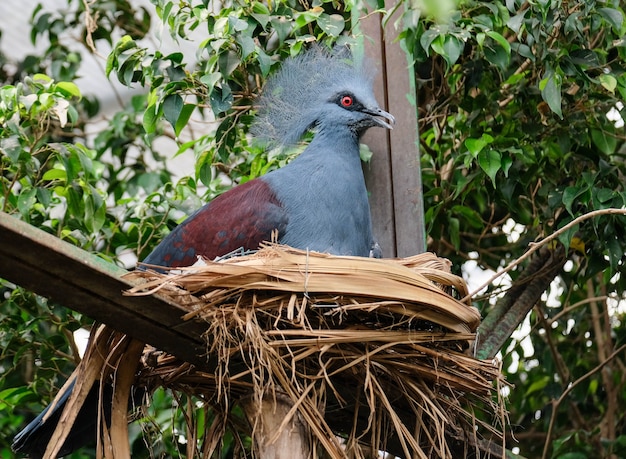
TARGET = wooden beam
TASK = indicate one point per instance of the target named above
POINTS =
(82, 281)
(394, 174)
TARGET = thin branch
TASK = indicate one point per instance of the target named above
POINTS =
(91, 25)
(534, 246)
(569, 309)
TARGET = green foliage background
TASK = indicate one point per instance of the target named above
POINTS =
(513, 99)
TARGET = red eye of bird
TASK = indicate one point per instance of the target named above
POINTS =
(346, 101)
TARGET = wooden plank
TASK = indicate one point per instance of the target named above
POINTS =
(394, 176)
(88, 284)
(378, 175)
(405, 161)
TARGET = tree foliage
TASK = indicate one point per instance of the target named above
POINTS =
(519, 107)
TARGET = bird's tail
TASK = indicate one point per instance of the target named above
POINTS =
(33, 440)
(84, 405)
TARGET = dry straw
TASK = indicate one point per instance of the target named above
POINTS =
(372, 355)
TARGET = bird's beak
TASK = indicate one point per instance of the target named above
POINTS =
(381, 117)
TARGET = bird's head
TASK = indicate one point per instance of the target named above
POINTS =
(355, 108)
(318, 89)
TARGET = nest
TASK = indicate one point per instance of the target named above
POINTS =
(369, 355)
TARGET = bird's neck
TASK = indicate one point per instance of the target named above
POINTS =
(332, 155)
(340, 139)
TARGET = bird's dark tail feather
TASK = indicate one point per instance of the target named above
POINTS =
(34, 438)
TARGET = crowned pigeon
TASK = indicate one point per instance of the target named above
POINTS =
(318, 201)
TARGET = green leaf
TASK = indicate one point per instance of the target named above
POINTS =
(150, 118)
(497, 54)
(124, 44)
(550, 88)
(427, 39)
(236, 24)
(515, 78)
(613, 17)
(440, 10)
(282, 27)
(306, 17)
(537, 385)
(165, 14)
(606, 142)
(72, 114)
(221, 99)
(11, 147)
(515, 22)
(13, 396)
(503, 42)
(260, 8)
(172, 108)
(228, 62)
(332, 24)
(44, 196)
(126, 71)
(491, 162)
(608, 82)
(110, 64)
(584, 57)
(523, 50)
(558, 443)
(507, 162)
(454, 230)
(449, 47)
(615, 252)
(69, 89)
(176, 58)
(94, 209)
(470, 216)
(261, 14)
(210, 79)
(265, 62)
(475, 146)
(55, 174)
(593, 387)
(247, 45)
(566, 237)
(570, 194)
(41, 79)
(603, 194)
(25, 202)
(183, 118)
(602, 198)
(365, 153)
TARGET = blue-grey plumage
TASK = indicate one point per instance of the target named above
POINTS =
(317, 202)
(324, 194)
(323, 189)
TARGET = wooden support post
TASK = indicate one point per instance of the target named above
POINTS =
(276, 435)
(393, 175)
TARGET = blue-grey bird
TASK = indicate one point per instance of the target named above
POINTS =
(318, 201)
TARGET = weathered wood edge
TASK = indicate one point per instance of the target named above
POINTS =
(82, 281)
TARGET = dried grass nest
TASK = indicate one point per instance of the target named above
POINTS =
(374, 354)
